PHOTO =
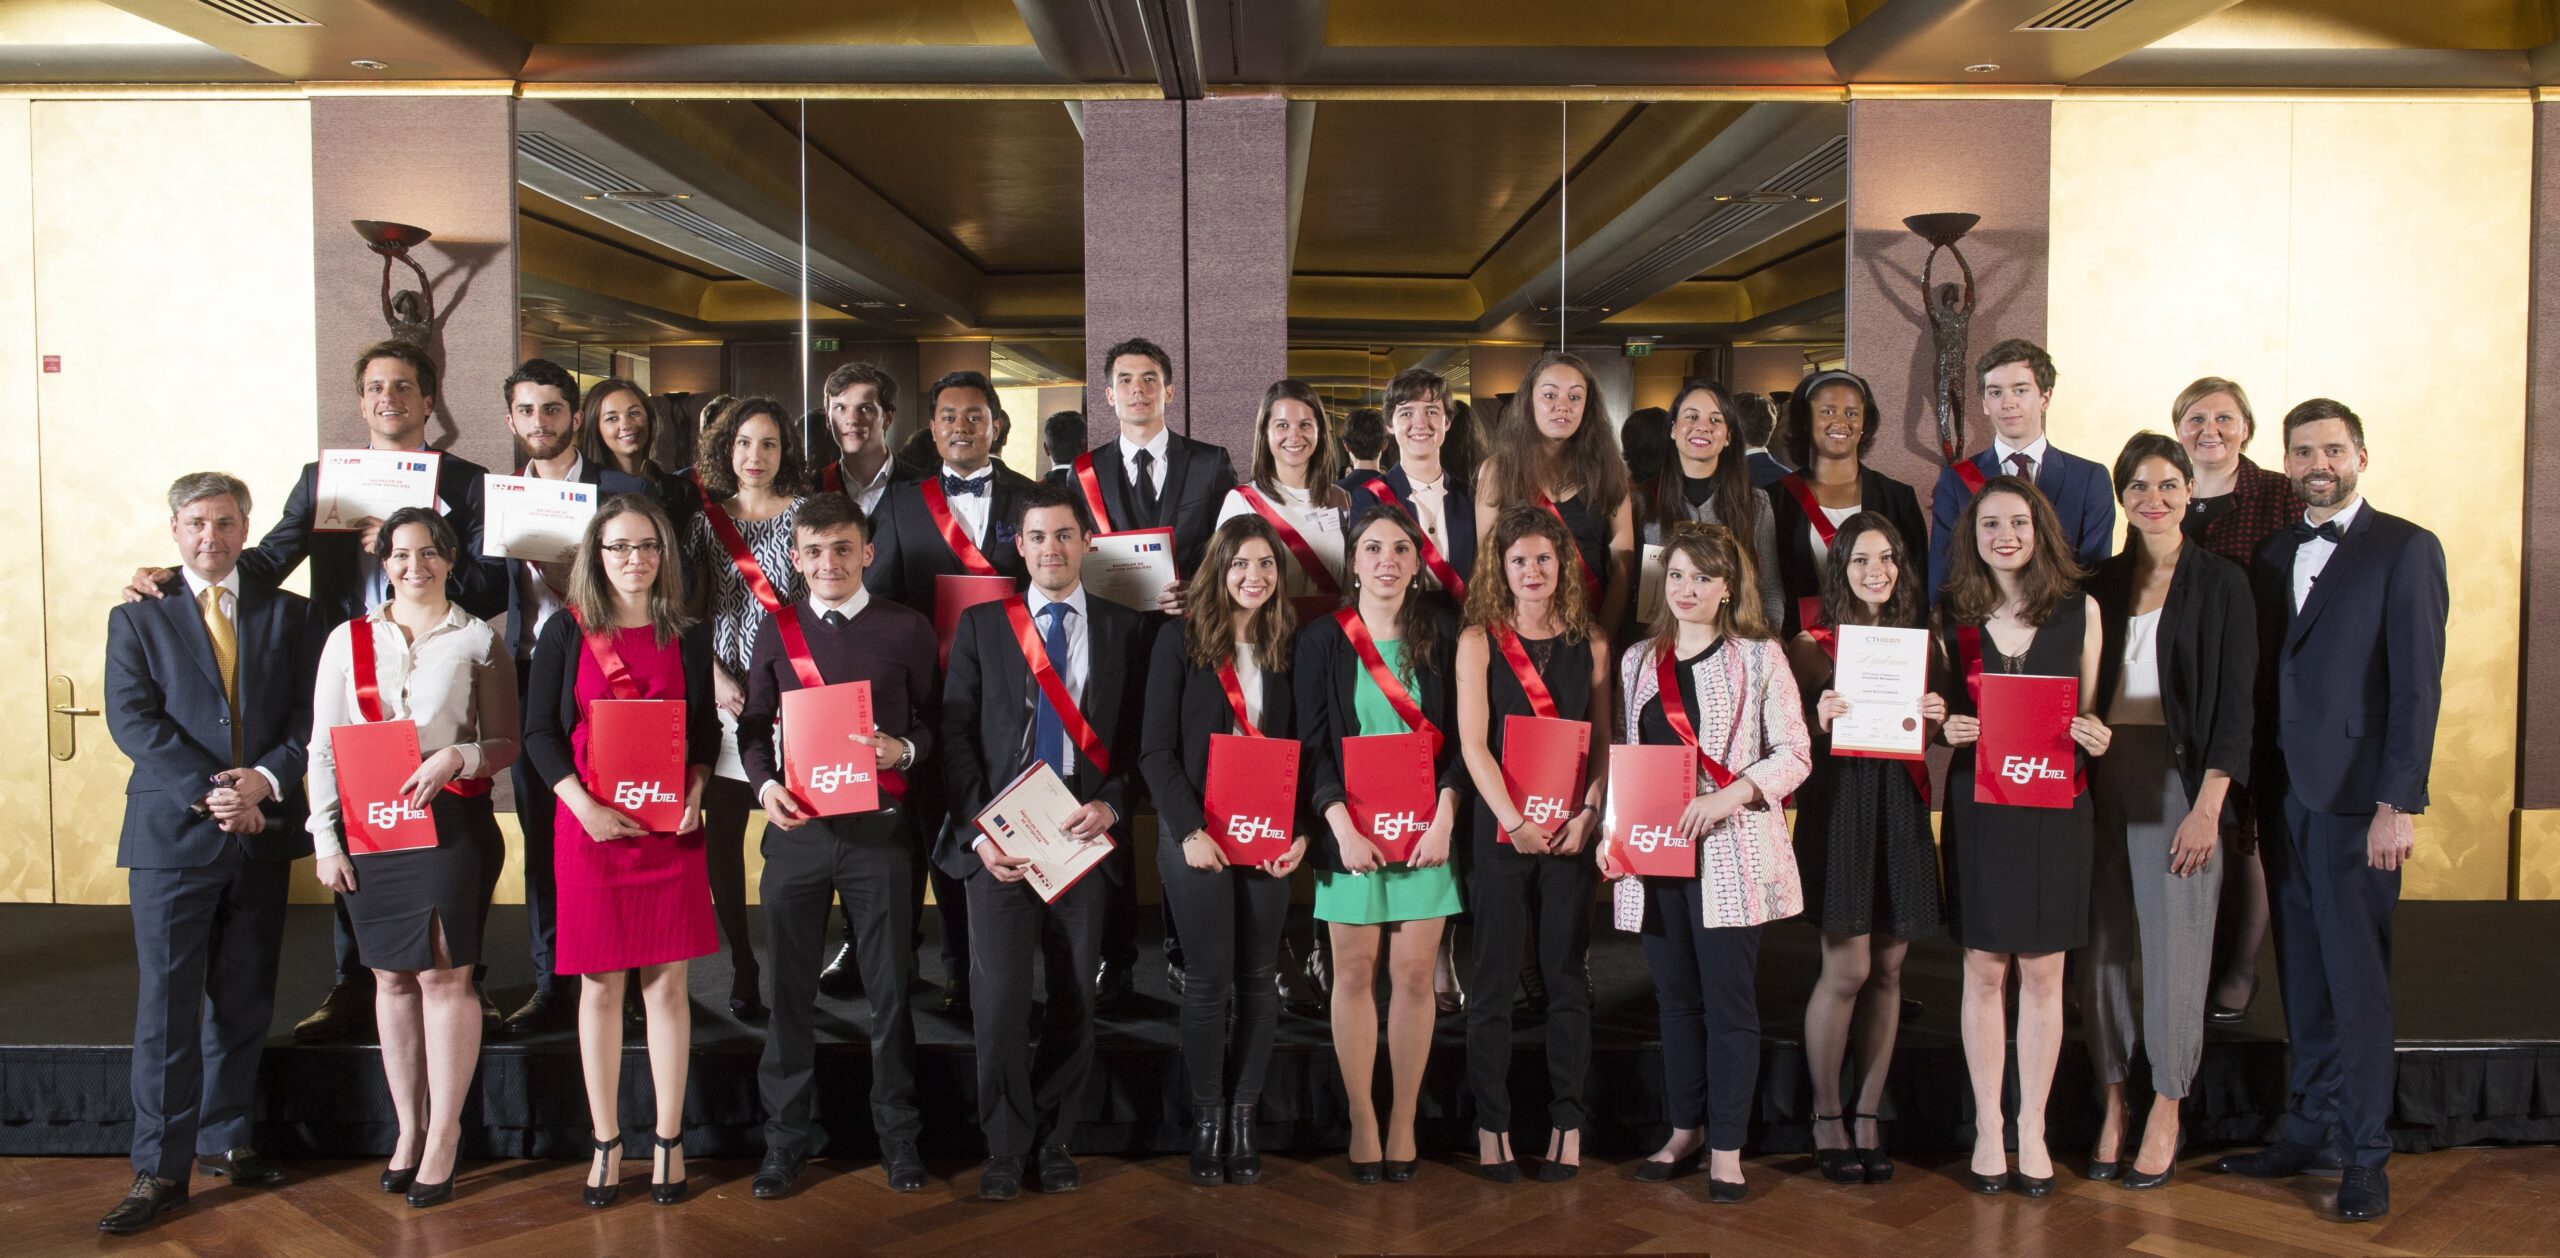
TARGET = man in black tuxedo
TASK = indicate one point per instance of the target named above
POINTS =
(396, 391)
(2352, 603)
(862, 400)
(996, 722)
(542, 413)
(209, 691)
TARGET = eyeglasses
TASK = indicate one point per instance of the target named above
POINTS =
(624, 550)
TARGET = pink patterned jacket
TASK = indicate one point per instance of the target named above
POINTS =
(1752, 722)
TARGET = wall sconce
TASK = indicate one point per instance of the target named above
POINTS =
(411, 313)
(1950, 307)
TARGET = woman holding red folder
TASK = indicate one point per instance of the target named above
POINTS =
(1380, 666)
(1869, 858)
(2017, 877)
(630, 899)
(1713, 678)
(1295, 464)
(417, 911)
(1531, 650)
(1556, 450)
(1226, 673)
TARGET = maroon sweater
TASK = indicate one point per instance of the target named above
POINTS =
(886, 644)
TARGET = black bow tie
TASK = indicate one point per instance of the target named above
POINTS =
(2305, 530)
(971, 485)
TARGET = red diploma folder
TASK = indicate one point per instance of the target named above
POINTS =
(373, 759)
(1252, 796)
(635, 759)
(2025, 757)
(955, 593)
(1542, 763)
(825, 770)
(1392, 788)
(1649, 787)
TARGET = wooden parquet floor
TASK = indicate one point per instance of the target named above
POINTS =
(2490, 1201)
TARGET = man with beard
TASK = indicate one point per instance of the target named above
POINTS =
(2352, 607)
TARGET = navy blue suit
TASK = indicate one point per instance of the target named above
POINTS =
(2081, 492)
(1766, 470)
(2353, 689)
(208, 907)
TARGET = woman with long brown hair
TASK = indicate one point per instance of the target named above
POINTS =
(1556, 450)
(1295, 464)
(1707, 479)
(618, 428)
(1225, 672)
(1531, 649)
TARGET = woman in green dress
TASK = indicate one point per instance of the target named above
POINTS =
(1381, 666)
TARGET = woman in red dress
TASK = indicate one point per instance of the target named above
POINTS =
(630, 899)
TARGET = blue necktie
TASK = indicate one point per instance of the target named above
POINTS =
(1048, 730)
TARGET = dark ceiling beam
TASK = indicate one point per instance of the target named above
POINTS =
(416, 39)
(1933, 41)
(788, 63)
(1604, 65)
(2414, 68)
(1257, 41)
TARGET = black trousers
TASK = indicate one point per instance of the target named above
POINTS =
(725, 805)
(1706, 982)
(2332, 915)
(205, 940)
(1029, 1097)
(951, 904)
(1231, 919)
(536, 811)
(1500, 888)
(867, 859)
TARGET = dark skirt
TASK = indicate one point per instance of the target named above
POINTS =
(2017, 878)
(1863, 842)
(402, 897)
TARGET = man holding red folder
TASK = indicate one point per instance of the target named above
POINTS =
(839, 634)
(1054, 677)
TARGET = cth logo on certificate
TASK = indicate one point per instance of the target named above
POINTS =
(388, 813)
(1250, 800)
(2023, 769)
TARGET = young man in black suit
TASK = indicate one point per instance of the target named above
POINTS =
(862, 399)
(2352, 606)
(997, 720)
(209, 691)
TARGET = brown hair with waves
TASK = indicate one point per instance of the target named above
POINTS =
(1715, 551)
(1489, 597)
(2051, 574)
(1210, 612)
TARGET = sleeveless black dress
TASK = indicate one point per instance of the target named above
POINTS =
(2017, 879)
(1863, 843)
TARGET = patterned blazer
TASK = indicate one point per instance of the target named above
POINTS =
(1751, 720)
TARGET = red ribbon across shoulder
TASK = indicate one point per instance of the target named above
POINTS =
(1398, 697)
(795, 644)
(1088, 741)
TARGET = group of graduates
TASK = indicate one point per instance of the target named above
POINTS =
(2248, 738)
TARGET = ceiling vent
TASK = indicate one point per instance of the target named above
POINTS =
(257, 12)
(1802, 179)
(2075, 15)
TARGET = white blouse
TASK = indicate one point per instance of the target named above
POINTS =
(457, 681)
(2137, 697)
(1321, 527)
(1822, 553)
(1249, 677)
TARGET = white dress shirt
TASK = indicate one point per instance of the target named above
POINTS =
(2137, 697)
(1319, 527)
(1429, 503)
(868, 497)
(1071, 670)
(971, 509)
(535, 594)
(1156, 447)
(2313, 555)
(1249, 678)
(2034, 450)
(455, 682)
(229, 603)
(850, 608)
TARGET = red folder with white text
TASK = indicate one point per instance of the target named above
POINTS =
(1392, 788)
(373, 759)
(1251, 797)
(2025, 757)
(635, 759)
(824, 768)
(1542, 763)
(1649, 787)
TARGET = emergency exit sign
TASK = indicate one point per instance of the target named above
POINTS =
(823, 344)
(1639, 349)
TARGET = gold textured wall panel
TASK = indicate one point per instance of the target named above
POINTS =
(173, 275)
(26, 833)
(2537, 854)
(2375, 253)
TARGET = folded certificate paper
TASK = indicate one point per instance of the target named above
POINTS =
(1028, 819)
(535, 519)
(1130, 567)
(1649, 787)
(635, 759)
(2025, 757)
(1251, 798)
(1882, 673)
(823, 767)
(373, 760)
(370, 484)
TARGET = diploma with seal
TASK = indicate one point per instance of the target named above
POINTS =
(1882, 673)
(1391, 789)
(1542, 763)
(1251, 797)
(635, 760)
(825, 769)
(954, 593)
(1649, 787)
(1130, 567)
(2025, 757)
(1028, 819)
(373, 759)
(530, 518)
(370, 484)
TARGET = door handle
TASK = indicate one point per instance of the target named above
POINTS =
(60, 732)
(75, 711)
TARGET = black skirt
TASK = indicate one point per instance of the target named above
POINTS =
(401, 898)
(1863, 842)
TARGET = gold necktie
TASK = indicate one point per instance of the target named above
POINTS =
(226, 657)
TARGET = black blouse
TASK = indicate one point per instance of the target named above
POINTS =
(1321, 678)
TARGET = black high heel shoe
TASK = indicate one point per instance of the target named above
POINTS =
(1555, 1170)
(663, 1192)
(1208, 1164)
(598, 1196)
(1840, 1166)
(398, 1179)
(1877, 1166)
(422, 1194)
(1244, 1162)
(1365, 1172)
(1401, 1172)
(1506, 1171)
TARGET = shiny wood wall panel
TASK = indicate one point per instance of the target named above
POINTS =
(26, 831)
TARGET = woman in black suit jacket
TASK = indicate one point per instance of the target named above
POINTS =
(1235, 629)
(2175, 680)
(1831, 424)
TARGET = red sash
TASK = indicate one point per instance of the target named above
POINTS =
(1969, 659)
(938, 505)
(1794, 484)
(1088, 741)
(1971, 476)
(1398, 697)
(1092, 490)
(1541, 701)
(369, 697)
(831, 479)
(1828, 639)
(795, 644)
(1667, 680)
(1592, 589)
(617, 675)
(1235, 700)
(1441, 569)
(1317, 574)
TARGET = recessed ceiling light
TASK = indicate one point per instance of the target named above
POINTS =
(368, 63)
(1981, 68)
(630, 196)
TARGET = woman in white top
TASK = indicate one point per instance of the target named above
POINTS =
(2175, 672)
(1295, 464)
(417, 911)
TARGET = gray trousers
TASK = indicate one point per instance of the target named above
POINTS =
(2136, 906)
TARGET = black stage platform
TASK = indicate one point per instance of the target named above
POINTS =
(2479, 1050)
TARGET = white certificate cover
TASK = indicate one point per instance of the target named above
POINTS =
(1648, 585)
(1028, 818)
(1882, 673)
(531, 518)
(1130, 567)
(370, 484)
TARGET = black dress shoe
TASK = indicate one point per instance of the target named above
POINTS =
(1556, 1170)
(2219, 1016)
(1654, 1171)
(491, 1020)
(598, 1196)
(665, 1192)
(1111, 986)
(243, 1165)
(1725, 1192)
(399, 1179)
(1057, 1169)
(1506, 1171)
(1001, 1180)
(422, 1194)
(150, 1198)
(2032, 1185)
(1840, 1166)
(1874, 1162)
(2325, 1165)
(2138, 1179)
(1208, 1155)
(748, 1009)
(955, 999)
(904, 1166)
(1244, 1162)
(1402, 1172)
(779, 1171)
(842, 979)
(1987, 1185)
(2281, 1160)
(348, 1003)
(543, 1011)
(1367, 1172)
(2364, 1194)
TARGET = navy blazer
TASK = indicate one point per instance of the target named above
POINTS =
(907, 550)
(167, 711)
(1460, 514)
(2354, 680)
(2081, 492)
(1195, 482)
(1766, 470)
(608, 481)
(478, 585)
(552, 712)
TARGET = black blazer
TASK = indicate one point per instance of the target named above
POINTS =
(1461, 526)
(551, 708)
(987, 711)
(1185, 705)
(2353, 682)
(478, 585)
(2208, 648)
(1196, 479)
(1877, 492)
(1324, 675)
(608, 482)
(167, 711)
(907, 551)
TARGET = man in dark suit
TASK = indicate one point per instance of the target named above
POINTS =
(1062, 437)
(209, 692)
(2352, 605)
(542, 413)
(862, 400)
(396, 391)
(1759, 432)
(2017, 388)
(997, 721)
